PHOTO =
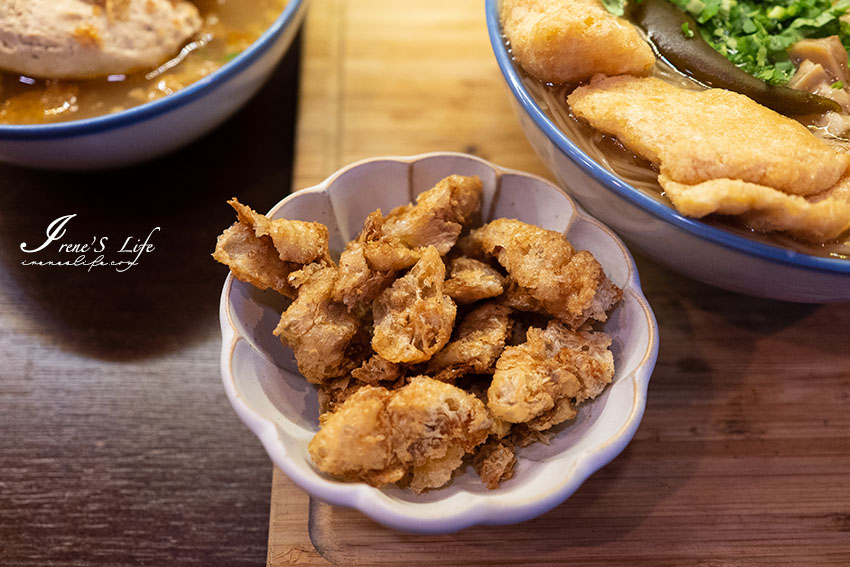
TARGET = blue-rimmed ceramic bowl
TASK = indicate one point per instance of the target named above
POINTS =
(704, 252)
(156, 128)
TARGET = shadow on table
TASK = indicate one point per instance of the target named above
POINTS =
(706, 335)
(170, 297)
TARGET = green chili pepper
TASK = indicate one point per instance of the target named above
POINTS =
(693, 56)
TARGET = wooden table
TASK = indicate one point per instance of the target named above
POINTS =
(118, 447)
(743, 456)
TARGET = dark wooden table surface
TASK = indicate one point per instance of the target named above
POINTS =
(117, 444)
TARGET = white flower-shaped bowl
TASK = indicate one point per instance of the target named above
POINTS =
(704, 252)
(273, 399)
(155, 128)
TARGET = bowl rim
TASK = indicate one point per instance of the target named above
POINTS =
(768, 252)
(361, 496)
(153, 109)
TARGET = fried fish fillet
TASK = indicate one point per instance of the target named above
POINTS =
(323, 335)
(413, 318)
(698, 136)
(564, 41)
(471, 280)
(479, 340)
(540, 381)
(816, 218)
(569, 285)
(254, 259)
(379, 436)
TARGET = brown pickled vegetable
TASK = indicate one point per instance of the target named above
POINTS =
(666, 26)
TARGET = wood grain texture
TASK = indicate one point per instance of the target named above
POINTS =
(117, 443)
(743, 455)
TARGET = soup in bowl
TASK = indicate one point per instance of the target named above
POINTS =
(126, 90)
(589, 127)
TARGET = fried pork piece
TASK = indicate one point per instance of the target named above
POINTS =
(413, 318)
(494, 462)
(379, 436)
(539, 382)
(296, 241)
(564, 41)
(471, 280)
(816, 218)
(569, 285)
(478, 342)
(735, 138)
(392, 243)
(254, 260)
(323, 335)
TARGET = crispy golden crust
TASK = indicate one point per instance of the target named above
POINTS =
(413, 317)
(392, 243)
(438, 216)
(539, 381)
(564, 41)
(697, 136)
(254, 260)
(478, 342)
(817, 218)
(569, 285)
(321, 332)
(296, 241)
(471, 280)
(423, 429)
(377, 369)
(494, 462)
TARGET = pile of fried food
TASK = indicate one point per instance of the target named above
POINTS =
(431, 341)
(716, 151)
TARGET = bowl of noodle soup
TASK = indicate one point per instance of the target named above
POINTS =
(621, 190)
(127, 118)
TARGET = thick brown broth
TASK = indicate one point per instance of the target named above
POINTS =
(230, 26)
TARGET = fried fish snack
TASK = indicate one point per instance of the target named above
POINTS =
(540, 381)
(478, 342)
(254, 259)
(392, 243)
(296, 241)
(379, 436)
(569, 285)
(698, 136)
(565, 41)
(263, 252)
(471, 280)
(413, 318)
(320, 331)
